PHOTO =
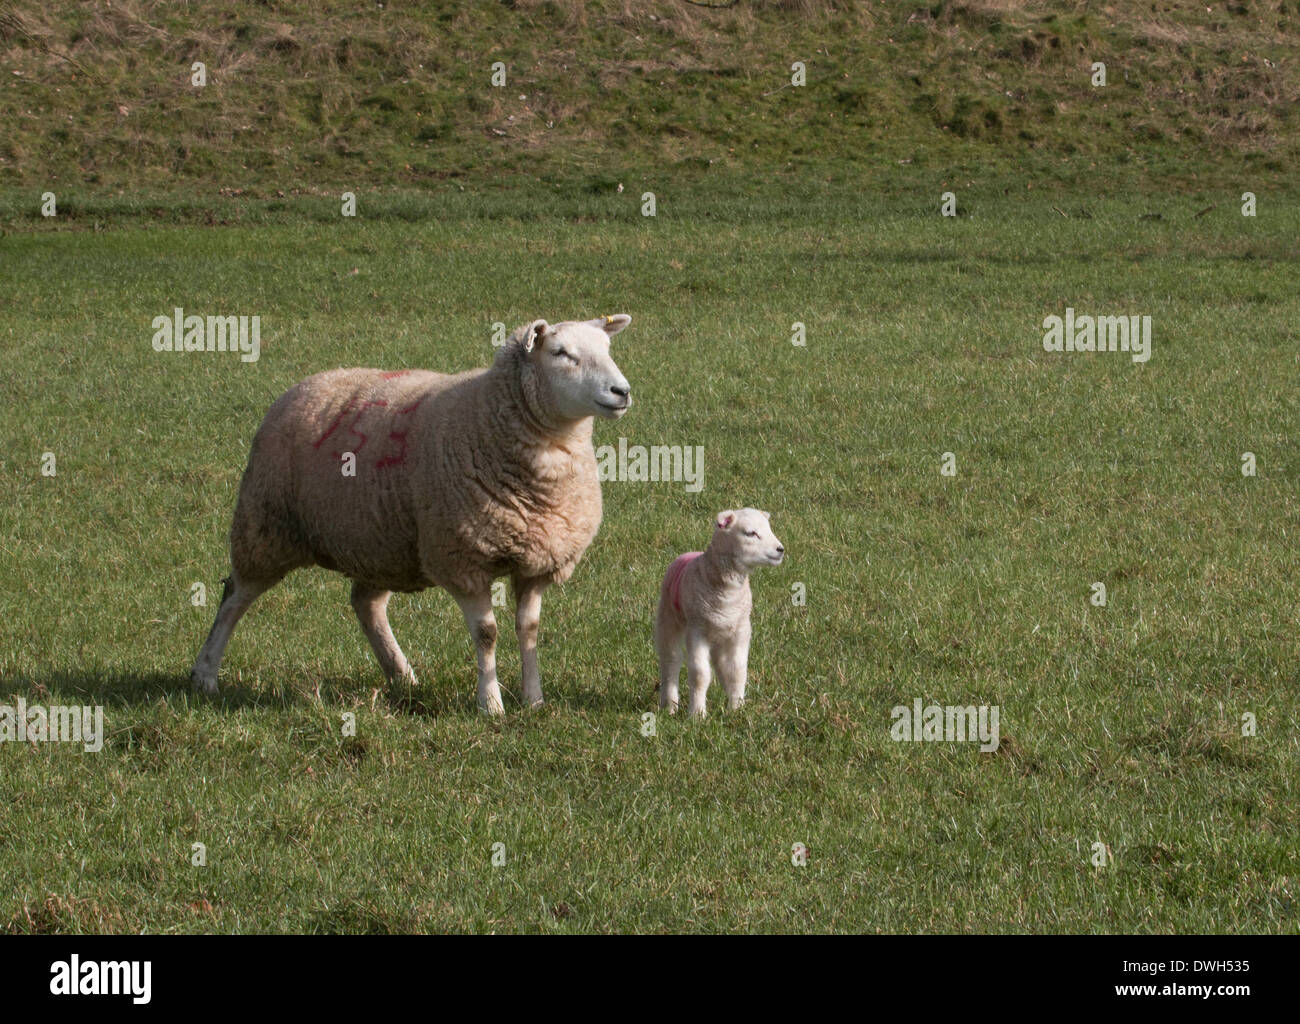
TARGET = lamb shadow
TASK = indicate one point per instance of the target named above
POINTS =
(592, 699)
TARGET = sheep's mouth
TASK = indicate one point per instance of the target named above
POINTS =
(614, 410)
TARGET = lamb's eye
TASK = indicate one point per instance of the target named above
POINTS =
(751, 533)
(561, 353)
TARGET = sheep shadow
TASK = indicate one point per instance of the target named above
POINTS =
(112, 689)
(128, 689)
(437, 698)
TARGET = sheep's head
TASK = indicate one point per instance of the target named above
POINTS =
(744, 537)
(570, 372)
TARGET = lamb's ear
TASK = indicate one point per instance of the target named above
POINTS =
(725, 519)
(766, 515)
(533, 333)
(611, 325)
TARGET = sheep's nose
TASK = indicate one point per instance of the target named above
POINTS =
(780, 549)
(622, 390)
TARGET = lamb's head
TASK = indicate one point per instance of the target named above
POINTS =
(744, 537)
(568, 372)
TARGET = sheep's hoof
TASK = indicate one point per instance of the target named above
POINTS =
(203, 684)
(535, 704)
(492, 707)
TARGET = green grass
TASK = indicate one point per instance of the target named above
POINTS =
(1120, 725)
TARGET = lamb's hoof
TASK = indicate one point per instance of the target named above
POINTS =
(492, 707)
(534, 704)
(671, 708)
(206, 685)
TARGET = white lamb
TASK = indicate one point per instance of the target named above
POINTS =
(704, 606)
(458, 480)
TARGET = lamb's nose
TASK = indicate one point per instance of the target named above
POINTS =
(622, 390)
(780, 549)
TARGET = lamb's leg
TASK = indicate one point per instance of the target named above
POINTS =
(477, 609)
(668, 646)
(371, 606)
(733, 667)
(697, 671)
(236, 598)
(528, 616)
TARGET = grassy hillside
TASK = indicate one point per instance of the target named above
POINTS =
(307, 95)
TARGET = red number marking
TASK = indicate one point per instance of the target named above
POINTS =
(352, 404)
(399, 436)
(397, 454)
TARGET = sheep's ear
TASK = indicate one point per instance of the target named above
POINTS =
(766, 515)
(533, 334)
(725, 519)
(611, 325)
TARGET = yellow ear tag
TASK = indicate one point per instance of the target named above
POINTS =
(609, 319)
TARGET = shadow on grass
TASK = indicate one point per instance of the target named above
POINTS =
(440, 698)
(127, 689)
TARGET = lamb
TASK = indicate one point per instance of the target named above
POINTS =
(705, 601)
(411, 479)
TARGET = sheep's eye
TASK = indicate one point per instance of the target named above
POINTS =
(566, 355)
(751, 533)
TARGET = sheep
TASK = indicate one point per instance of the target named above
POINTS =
(456, 480)
(704, 606)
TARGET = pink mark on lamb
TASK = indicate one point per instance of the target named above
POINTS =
(674, 577)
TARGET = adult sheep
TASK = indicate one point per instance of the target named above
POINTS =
(455, 481)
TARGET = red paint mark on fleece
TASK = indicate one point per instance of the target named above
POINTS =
(396, 455)
(674, 577)
(337, 420)
(352, 427)
(399, 437)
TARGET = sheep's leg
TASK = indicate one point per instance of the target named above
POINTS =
(528, 616)
(733, 667)
(477, 609)
(668, 646)
(697, 671)
(235, 600)
(371, 606)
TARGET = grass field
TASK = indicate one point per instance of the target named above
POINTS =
(1120, 725)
